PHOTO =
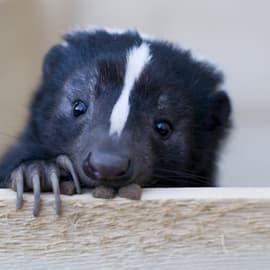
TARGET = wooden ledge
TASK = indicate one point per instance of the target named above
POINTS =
(207, 228)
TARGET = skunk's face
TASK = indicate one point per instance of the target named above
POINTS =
(125, 119)
(130, 110)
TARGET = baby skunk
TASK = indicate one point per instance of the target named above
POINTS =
(117, 108)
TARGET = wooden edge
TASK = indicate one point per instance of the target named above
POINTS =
(167, 194)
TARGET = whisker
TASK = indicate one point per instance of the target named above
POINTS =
(176, 177)
(8, 135)
(185, 181)
(180, 177)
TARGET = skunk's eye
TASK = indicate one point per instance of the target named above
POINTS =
(163, 128)
(79, 108)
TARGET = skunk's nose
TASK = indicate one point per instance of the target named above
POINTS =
(106, 166)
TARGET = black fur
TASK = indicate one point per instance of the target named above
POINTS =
(174, 87)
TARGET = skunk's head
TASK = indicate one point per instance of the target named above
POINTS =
(130, 109)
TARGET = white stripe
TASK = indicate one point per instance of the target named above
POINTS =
(137, 58)
(92, 29)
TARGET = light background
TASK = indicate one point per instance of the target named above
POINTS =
(234, 34)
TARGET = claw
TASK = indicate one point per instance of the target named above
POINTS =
(66, 164)
(53, 176)
(17, 184)
(36, 189)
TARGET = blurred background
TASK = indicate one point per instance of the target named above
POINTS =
(233, 34)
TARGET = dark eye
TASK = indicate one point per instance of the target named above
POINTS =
(79, 108)
(163, 128)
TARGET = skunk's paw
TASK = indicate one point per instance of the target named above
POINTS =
(103, 192)
(132, 192)
(43, 176)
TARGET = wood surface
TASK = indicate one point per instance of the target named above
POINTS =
(210, 228)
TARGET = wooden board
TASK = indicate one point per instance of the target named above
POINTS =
(211, 228)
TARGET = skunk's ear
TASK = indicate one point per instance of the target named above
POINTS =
(219, 110)
(51, 59)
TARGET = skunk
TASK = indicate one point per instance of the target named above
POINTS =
(118, 108)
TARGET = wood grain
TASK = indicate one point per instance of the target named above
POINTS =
(222, 228)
